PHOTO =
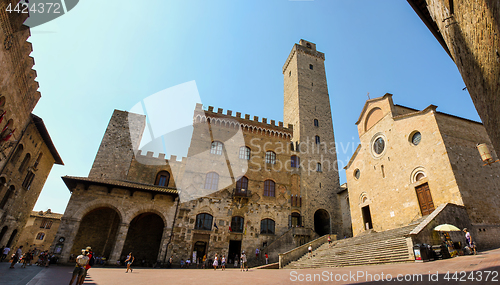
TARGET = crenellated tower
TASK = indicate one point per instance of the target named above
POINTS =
(307, 108)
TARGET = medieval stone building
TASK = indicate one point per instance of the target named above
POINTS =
(469, 31)
(40, 230)
(410, 162)
(27, 153)
(245, 183)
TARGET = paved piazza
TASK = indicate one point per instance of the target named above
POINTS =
(487, 262)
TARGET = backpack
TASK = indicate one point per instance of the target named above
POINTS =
(92, 260)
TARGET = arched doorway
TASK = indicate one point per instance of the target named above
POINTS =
(321, 222)
(144, 238)
(98, 230)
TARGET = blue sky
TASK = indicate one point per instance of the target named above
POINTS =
(106, 55)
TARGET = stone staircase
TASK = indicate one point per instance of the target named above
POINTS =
(368, 248)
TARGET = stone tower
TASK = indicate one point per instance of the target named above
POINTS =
(120, 141)
(307, 107)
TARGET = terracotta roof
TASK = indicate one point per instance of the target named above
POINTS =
(46, 214)
(72, 181)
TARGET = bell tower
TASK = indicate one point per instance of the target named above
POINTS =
(307, 107)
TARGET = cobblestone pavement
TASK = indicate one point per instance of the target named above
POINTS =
(478, 269)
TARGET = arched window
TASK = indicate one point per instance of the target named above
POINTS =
(316, 123)
(270, 157)
(212, 181)
(17, 154)
(204, 222)
(237, 224)
(295, 163)
(162, 178)
(25, 162)
(216, 148)
(295, 220)
(269, 188)
(245, 152)
(317, 140)
(267, 226)
(28, 179)
(242, 183)
(40, 236)
(7, 195)
(318, 167)
(35, 165)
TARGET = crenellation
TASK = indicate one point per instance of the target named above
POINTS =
(229, 112)
(280, 124)
(264, 120)
(210, 109)
(247, 117)
(173, 157)
(149, 154)
(238, 114)
(256, 118)
(219, 111)
(161, 155)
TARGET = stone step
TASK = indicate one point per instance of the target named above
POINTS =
(396, 252)
(370, 248)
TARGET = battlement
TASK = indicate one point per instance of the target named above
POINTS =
(246, 120)
(161, 156)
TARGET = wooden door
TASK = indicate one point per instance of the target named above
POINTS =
(425, 199)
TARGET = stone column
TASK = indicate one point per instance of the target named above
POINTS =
(163, 245)
(68, 230)
(121, 236)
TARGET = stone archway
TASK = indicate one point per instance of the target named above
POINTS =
(322, 222)
(98, 230)
(144, 238)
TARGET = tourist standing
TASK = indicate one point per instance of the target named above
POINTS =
(223, 262)
(329, 241)
(79, 270)
(243, 261)
(267, 258)
(90, 263)
(470, 243)
(130, 259)
(216, 262)
(204, 261)
(310, 250)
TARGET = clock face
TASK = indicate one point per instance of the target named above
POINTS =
(62, 239)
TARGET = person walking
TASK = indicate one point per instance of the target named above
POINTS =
(79, 270)
(17, 256)
(329, 241)
(310, 250)
(267, 258)
(204, 261)
(5, 253)
(130, 259)
(90, 263)
(216, 262)
(243, 260)
(470, 243)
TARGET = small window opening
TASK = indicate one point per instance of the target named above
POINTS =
(310, 66)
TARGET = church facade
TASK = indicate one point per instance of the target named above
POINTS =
(412, 161)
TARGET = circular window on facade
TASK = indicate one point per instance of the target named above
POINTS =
(356, 173)
(379, 145)
(415, 138)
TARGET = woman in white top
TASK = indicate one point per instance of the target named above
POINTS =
(216, 262)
